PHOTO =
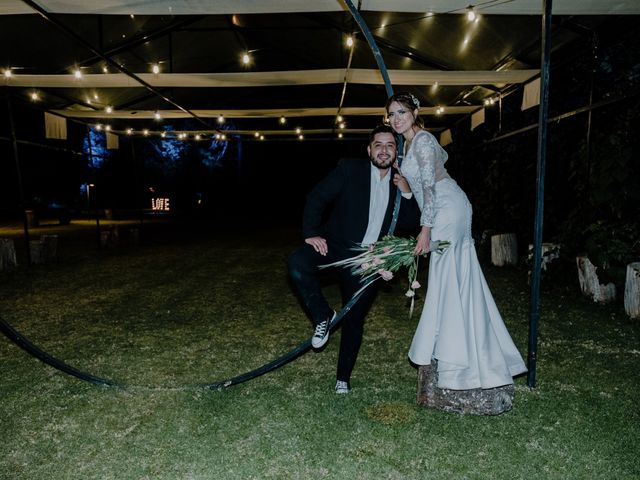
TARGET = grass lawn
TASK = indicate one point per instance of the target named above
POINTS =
(179, 311)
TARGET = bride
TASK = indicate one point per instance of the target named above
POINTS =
(460, 326)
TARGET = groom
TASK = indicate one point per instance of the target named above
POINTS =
(358, 197)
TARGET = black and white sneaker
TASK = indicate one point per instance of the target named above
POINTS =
(342, 387)
(321, 334)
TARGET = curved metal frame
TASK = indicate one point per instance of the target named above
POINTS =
(302, 348)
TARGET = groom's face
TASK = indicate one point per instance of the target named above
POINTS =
(382, 150)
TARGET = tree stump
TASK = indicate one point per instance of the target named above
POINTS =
(504, 249)
(105, 238)
(7, 254)
(632, 290)
(36, 251)
(477, 401)
(590, 285)
(49, 247)
(32, 219)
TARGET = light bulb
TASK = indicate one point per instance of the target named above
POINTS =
(349, 41)
(471, 13)
(220, 119)
(34, 96)
(283, 120)
(109, 109)
(246, 59)
(155, 68)
(77, 73)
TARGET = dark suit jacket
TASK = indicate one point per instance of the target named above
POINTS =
(347, 190)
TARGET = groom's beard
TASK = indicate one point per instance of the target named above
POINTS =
(382, 164)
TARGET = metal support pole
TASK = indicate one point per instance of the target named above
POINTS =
(540, 173)
(387, 83)
(14, 142)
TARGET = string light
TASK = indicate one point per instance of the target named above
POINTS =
(105, 69)
(439, 110)
(300, 137)
(98, 127)
(34, 96)
(155, 68)
(471, 13)
(157, 115)
(163, 134)
(245, 58)
(107, 128)
(223, 137)
(197, 136)
(340, 135)
(217, 136)
(283, 120)
(8, 73)
(220, 118)
(109, 109)
(77, 73)
(298, 130)
(256, 134)
(341, 126)
(339, 118)
(145, 132)
(95, 96)
(129, 131)
(349, 41)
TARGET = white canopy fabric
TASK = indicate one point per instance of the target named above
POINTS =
(210, 7)
(270, 79)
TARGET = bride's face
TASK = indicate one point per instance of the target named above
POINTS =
(400, 117)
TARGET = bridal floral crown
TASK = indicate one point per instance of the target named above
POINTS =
(414, 100)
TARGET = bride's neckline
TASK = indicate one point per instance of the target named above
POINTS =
(408, 143)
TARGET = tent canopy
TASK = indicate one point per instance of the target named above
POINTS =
(299, 64)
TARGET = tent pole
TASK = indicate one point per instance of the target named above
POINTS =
(534, 315)
(14, 142)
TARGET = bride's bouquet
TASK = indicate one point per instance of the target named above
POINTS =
(386, 256)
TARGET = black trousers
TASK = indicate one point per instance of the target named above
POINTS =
(305, 274)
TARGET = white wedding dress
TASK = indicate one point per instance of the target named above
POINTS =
(460, 325)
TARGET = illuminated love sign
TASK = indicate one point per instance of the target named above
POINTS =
(160, 204)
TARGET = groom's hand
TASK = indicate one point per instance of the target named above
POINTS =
(319, 244)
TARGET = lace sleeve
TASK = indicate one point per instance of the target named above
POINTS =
(427, 152)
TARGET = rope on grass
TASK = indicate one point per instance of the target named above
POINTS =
(31, 348)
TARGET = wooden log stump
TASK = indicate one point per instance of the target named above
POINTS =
(36, 251)
(105, 238)
(32, 218)
(632, 290)
(477, 401)
(590, 284)
(49, 247)
(504, 249)
(7, 254)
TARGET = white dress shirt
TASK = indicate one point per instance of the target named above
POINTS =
(378, 202)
